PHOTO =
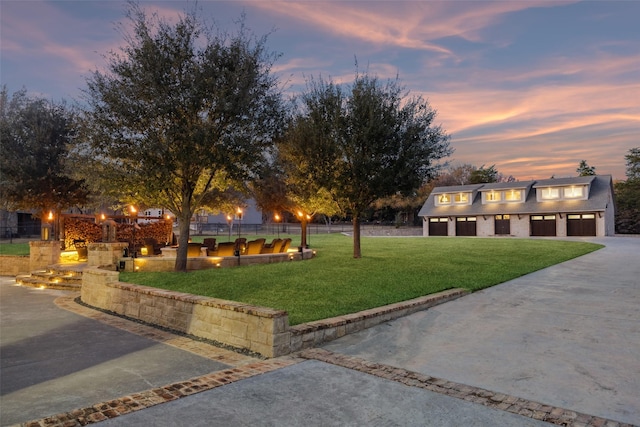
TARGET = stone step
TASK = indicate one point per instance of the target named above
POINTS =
(36, 282)
(67, 276)
(57, 277)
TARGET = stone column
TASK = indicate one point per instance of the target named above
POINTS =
(43, 253)
(105, 254)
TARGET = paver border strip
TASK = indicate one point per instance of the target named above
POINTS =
(516, 405)
(241, 367)
(148, 398)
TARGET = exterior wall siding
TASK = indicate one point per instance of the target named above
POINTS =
(485, 227)
(520, 225)
(561, 225)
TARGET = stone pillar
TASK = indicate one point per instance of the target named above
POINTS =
(43, 253)
(109, 231)
(105, 254)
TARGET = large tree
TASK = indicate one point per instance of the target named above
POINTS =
(361, 144)
(628, 196)
(182, 113)
(35, 139)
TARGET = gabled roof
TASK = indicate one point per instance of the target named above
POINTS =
(599, 198)
(561, 182)
(457, 189)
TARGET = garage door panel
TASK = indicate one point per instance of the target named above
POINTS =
(581, 225)
(543, 225)
(438, 227)
(466, 226)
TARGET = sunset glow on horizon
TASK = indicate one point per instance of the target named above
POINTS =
(532, 87)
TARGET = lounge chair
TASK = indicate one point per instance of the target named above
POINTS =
(210, 244)
(254, 247)
(285, 245)
(194, 250)
(241, 244)
(225, 249)
(273, 247)
(152, 246)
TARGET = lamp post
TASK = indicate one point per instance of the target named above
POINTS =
(276, 218)
(229, 223)
(134, 222)
(239, 221)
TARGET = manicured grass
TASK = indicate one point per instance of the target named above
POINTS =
(14, 248)
(391, 270)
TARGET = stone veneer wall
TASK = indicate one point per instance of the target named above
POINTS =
(12, 265)
(105, 254)
(43, 253)
(258, 329)
(262, 330)
(167, 263)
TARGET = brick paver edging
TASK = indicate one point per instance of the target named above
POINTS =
(516, 405)
(137, 401)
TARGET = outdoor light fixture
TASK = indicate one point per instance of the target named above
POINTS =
(276, 218)
(50, 217)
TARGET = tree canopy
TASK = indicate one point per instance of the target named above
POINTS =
(585, 170)
(628, 195)
(181, 114)
(35, 138)
(484, 175)
(348, 147)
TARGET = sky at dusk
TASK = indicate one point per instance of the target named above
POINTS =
(532, 87)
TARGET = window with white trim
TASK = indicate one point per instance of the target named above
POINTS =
(550, 193)
(462, 198)
(575, 192)
(443, 199)
(513, 195)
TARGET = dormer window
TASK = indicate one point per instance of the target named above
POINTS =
(461, 198)
(513, 195)
(443, 199)
(446, 199)
(493, 196)
(550, 193)
(574, 192)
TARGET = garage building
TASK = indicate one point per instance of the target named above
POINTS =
(577, 206)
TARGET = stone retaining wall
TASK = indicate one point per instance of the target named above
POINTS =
(259, 329)
(165, 263)
(12, 265)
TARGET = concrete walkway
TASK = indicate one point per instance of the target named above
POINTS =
(562, 344)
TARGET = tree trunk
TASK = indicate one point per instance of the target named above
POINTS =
(357, 253)
(183, 242)
(303, 234)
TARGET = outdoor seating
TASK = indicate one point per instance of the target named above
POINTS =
(194, 250)
(225, 249)
(152, 246)
(81, 248)
(210, 244)
(254, 247)
(273, 247)
(285, 245)
(241, 245)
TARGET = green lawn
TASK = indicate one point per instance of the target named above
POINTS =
(391, 270)
(14, 248)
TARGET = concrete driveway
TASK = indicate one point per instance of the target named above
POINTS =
(567, 336)
(563, 339)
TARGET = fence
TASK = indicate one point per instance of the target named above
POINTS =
(223, 229)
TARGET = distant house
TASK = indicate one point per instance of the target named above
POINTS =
(579, 206)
